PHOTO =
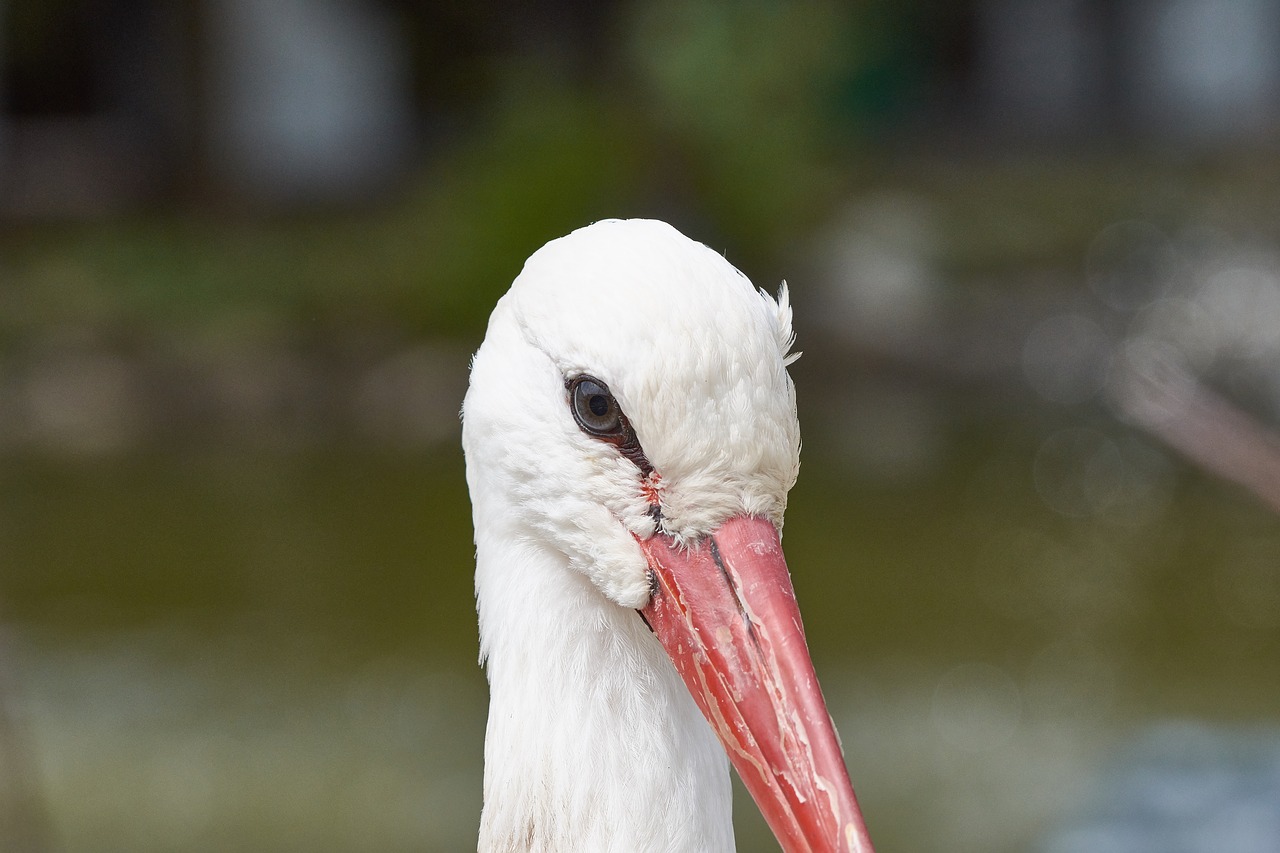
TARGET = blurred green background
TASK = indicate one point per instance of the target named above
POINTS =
(246, 248)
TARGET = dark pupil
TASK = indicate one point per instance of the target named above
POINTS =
(594, 407)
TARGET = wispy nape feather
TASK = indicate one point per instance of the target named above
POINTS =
(786, 334)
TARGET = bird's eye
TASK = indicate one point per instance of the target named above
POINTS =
(594, 408)
(599, 415)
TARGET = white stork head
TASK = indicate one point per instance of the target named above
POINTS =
(631, 436)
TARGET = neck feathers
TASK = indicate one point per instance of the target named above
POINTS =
(593, 743)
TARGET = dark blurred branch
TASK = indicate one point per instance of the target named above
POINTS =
(1163, 398)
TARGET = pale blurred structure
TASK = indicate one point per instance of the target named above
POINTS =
(309, 101)
(112, 103)
(115, 103)
(1183, 72)
(1183, 788)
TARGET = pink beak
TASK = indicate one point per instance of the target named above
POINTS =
(726, 613)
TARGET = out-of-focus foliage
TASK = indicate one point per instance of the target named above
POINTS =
(745, 98)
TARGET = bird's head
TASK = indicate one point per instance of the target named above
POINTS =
(631, 399)
(633, 382)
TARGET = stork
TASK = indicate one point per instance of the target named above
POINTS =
(630, 436)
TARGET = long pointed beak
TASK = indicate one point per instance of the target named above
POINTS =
(726, 613)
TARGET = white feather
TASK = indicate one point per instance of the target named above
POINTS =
(593, 742)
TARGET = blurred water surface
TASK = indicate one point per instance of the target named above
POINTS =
(276, 650)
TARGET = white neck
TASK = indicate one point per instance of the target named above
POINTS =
(593, 742)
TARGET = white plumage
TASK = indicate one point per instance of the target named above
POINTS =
(594, 743)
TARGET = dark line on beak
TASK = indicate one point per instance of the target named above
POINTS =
(737, 597)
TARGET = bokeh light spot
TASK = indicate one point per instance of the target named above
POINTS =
(976, 707)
